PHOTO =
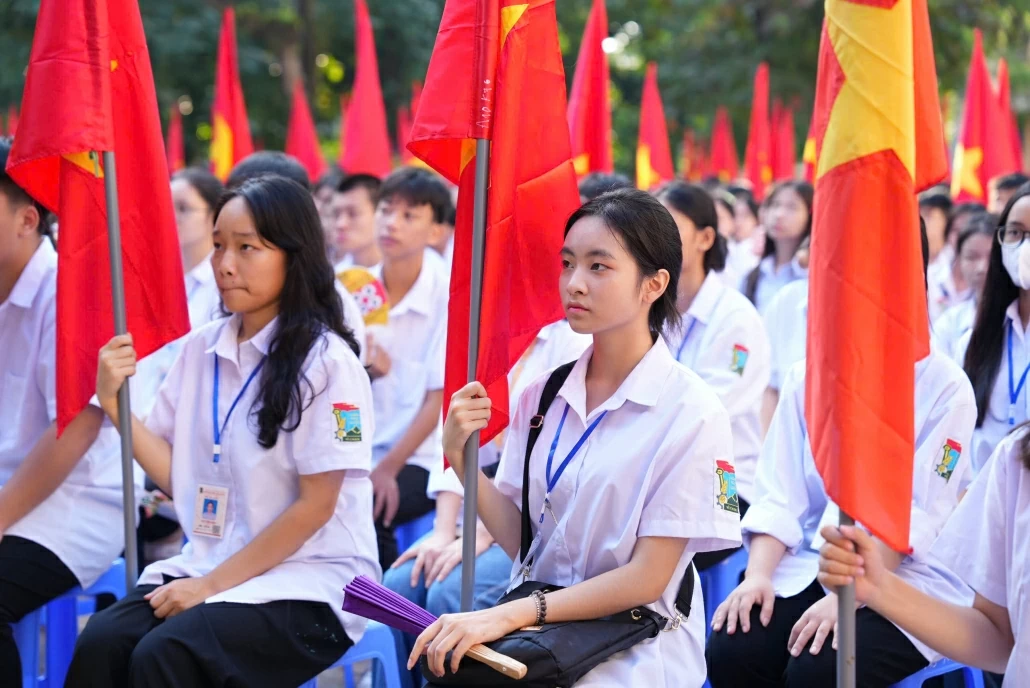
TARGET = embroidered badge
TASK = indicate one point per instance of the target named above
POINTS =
(726, 476)
(740, 354)
(949, 458)
(348, 422)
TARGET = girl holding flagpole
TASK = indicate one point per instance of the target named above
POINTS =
(261, 434)
(634, 473)
(787, 220)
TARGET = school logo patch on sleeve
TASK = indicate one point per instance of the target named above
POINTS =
(950, 455)
(740, 354)
(726, 486)
(348, 422)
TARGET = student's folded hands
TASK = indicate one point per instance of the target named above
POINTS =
(179, 595)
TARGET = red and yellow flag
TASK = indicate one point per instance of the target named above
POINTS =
(89, 89)
(808, 157)
(880, 141)
(230, 129)
(302, 136)
(691, 156)
(590, 110)
(970, 173)
(1007, 147)
(176, 144)
(365, 144)
(723, 161)
(785, 157)
(654, 157)
(498, 74)
(758, 154)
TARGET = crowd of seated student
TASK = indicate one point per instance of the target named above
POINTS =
(686, 314)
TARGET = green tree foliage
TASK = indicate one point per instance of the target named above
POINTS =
(706, 50)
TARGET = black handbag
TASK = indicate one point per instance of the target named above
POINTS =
(559, 654)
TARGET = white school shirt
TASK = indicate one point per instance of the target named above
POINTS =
(942, 293)
(727, 347)
(415, 338)
(353, 319)
(740, 260)
(952, 324)
(791, 502)
(771, 279)
(204, 302)
(263, 483)
(986, 540)
(996, 425)
(786, 323)
(648, 470)
(81, 522)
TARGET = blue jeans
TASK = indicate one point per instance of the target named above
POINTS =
(493, 571)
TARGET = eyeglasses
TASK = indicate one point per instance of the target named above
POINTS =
(1012, 235)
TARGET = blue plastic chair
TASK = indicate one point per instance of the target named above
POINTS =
(61, 621)
(719, 581)
(377, 644)
(409, 533)
(973, 677)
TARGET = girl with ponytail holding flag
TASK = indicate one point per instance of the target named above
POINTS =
(722, 337)
(633, 474)
(261, 435)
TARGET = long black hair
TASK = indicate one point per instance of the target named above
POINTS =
(694, 202)
(309, 305)
(807, 194)
(648, 233)
(987, 341)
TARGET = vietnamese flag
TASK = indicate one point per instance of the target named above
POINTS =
(301, 135)
(654, 157)
(970, 171)
(89, 89)
(230, 129)
(808, 155)
(723, 161)
(1010, 155)
(758, 154)
(175, 148)
(590, 110)
(785, 146)
(513, 47)
(365, 144)
(878, 126)
(688, 154)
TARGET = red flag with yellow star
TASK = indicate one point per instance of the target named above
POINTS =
(89, 89)
(880, 141)
(302, 136)
(365, 142)
(723, 161)
(969, 172)
(808, 157)
(590, 112)
(230, 128)
(654, 156)
(758, 154)
(496, 73)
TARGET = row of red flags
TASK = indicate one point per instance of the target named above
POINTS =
(876, 75)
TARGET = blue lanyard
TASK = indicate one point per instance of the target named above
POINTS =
(553, 480)
(683, 344)
(1013, 389)
(214, 406)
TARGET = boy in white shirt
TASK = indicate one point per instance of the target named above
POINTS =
(353, 210)
(406, 356)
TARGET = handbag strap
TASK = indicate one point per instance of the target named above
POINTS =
(551, 388)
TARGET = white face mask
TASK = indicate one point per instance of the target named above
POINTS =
(1016, 260)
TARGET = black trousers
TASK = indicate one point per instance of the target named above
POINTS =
(412, 482)
(760, 658)
(272, 645)
(30, 576)
(704, 560)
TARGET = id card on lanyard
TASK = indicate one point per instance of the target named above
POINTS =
(212, 501)
(1014, 389)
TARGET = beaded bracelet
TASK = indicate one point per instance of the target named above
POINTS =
(541, 607)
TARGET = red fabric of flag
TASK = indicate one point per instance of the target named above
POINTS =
(301, 135)
(758, 154)
(12, 120)
(1009, 150)
(970, 172)
(230, 128)
(785, 158)
(808, 155)
(175, 148)
(89, 88)
(498, 74)
(590, 110)
(723, 161)
(365, 147)
(878, 127)
(654, 157)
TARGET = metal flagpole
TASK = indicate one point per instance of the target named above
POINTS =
(468, 542)
(114, 244)
(846, 627)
